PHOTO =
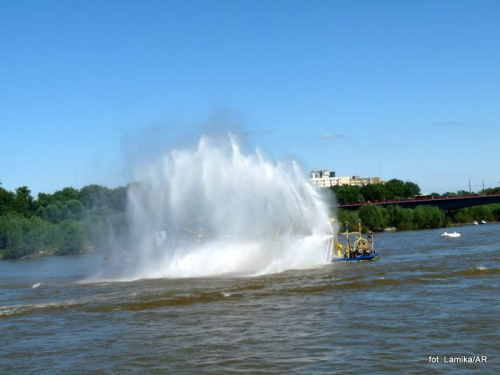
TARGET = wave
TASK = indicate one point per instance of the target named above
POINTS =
(19, 310)
(479, 271)
(354, 283)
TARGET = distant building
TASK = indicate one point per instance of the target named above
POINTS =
(362, 181)
(326, 178)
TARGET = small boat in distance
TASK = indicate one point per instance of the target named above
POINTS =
(450, 235)
(361, 249)
(475, 222)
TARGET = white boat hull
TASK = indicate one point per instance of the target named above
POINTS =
(450, 235)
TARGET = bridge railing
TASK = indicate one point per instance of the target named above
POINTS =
(422, 199)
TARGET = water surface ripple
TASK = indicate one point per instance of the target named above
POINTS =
(425, 296)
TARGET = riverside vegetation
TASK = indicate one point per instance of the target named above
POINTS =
(376, 218)
(72, 221)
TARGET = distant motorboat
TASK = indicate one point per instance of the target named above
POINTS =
(482, 222)
(450, 235)
(475, 222)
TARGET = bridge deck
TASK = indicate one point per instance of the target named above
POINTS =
(444, 203)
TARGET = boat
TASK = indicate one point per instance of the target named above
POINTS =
(359, 250)
(475, 222)
(450, 235)
(482, 222)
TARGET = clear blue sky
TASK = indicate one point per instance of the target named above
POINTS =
(401, 89)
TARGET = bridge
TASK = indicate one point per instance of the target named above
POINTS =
(444, 203)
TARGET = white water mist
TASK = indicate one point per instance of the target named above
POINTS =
(214, 210)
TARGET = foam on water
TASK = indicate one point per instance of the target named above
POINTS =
(215, 210)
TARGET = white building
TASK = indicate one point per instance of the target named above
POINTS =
(362, 181)
(326, 178)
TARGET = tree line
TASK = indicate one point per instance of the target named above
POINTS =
(392, 190)
(70, 221)
(377, 218)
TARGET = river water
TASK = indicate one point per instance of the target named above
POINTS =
(425, 302)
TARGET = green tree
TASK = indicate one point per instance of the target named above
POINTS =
(350, 217)
(374, 192)
(23, 202)
(21, 236)
(102, 227)
(489, 212)
(491, 190)
(11, 235)
(117, 199)
(400, 218)
(483, 212)
(60, 196)
(74, 210)
(95, 196)
(54, 212)
(70, 234)
(6, 201)
(39, 236)
(67, 194)
(411, 189)
(496, 211)
(66, 222)
(62, 205)
(464, 215)
(348, 194)
(373, 217)
(428, 217)
(44, 199)
(395, 189)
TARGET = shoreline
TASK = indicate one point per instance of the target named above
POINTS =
(385, 230)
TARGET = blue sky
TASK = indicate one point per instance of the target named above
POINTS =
(397, 89)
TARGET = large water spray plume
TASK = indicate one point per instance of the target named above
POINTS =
(215, 210)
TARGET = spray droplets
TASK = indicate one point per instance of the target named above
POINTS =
(221, 211)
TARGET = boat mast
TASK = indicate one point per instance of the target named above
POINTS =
(348, 242)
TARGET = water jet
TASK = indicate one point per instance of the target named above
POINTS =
(214, 210)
